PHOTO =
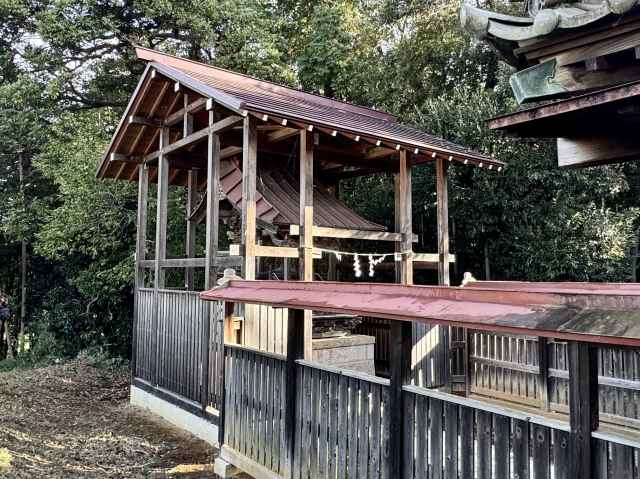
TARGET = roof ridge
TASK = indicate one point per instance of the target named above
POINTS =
(149, 54)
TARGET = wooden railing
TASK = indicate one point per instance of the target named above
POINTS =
(292, 418)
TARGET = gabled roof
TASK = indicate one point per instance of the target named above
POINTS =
(263, 97)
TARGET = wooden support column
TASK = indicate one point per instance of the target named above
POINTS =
(213, 206)
(295, 350)
(400, 375)
(249, 171)
(583, 407)
(306, 228)
(226, 337)
(543, 376)
(443, 221)
(141, 238)
(192, 182)
(403, 220)
(161, 241)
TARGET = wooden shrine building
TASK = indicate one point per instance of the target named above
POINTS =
(492, 380)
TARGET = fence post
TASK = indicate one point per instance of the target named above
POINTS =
(295, 351)
(543, 376)
(222, 338)
(583, 406)
(205, 348)
(400, 374)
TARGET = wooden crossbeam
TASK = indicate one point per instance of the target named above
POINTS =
(230, 151)
(378, 153)
(141, 120)
(195, 137)
(282, 134)
(326, 232)
(191, 108)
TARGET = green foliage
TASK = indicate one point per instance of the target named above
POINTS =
(67, 68)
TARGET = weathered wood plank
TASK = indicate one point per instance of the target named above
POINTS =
(502, 453)
(442, 194)
(540, 452)
(583, 406)
(435, 438)
(484, 420)
(521, 449)
(467, 443)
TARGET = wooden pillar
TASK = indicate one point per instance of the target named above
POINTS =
(213, 206)
(306, 228)
(403, 219)
(543, 376)
(400, 375)
(161, 209)
(443, 221)
(192, 181)
(295, 350)
(583, 406)
(161, 240)
(141, 238)
(249, 171)
(226, 337)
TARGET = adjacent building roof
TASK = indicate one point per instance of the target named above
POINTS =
(577, 116)
(607, 316)
(546, 20)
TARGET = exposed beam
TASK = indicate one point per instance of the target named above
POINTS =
(230, 151)
(154, 107)
(216, 128)
(191, 108)
(378, 153)
(282, 134)
(306, 228)
(326, 232)
(140, 120)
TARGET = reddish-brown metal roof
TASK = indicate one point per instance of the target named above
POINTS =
(611, 317)
(268, 98)
(278, 200)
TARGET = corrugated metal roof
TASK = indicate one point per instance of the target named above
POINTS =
(611, 318)
(278, 200)
(268, 98)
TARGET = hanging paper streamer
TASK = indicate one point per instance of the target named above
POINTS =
(374, 262)
(356, 266)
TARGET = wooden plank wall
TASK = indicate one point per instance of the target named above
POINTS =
(618, 378)
(181, 316)
(145, 355)
(173, 343)
(255, 406)
(452, 440)
(504, 366)
(429, 352)
(265, 328)
(342, 429)
(507, 367)
(342, 425)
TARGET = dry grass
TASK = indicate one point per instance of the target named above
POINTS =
(73, 421)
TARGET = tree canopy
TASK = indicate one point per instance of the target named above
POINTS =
(68, 67)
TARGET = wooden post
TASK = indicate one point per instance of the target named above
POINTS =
(141, 238)
(443, 221)
(583, 406)
(543, 376)
(404, 219)
(205, 350)
(295, 350)
(400, 374)
(226, 337)
(249, 167)
(192, 182)
(161, 209)
(161, 241)
(306, 228)
(213, 206)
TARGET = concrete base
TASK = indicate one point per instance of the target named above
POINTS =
(180, 418)
(355, 352)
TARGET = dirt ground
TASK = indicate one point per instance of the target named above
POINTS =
(74, 421)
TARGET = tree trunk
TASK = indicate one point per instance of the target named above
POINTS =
(23, 261)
